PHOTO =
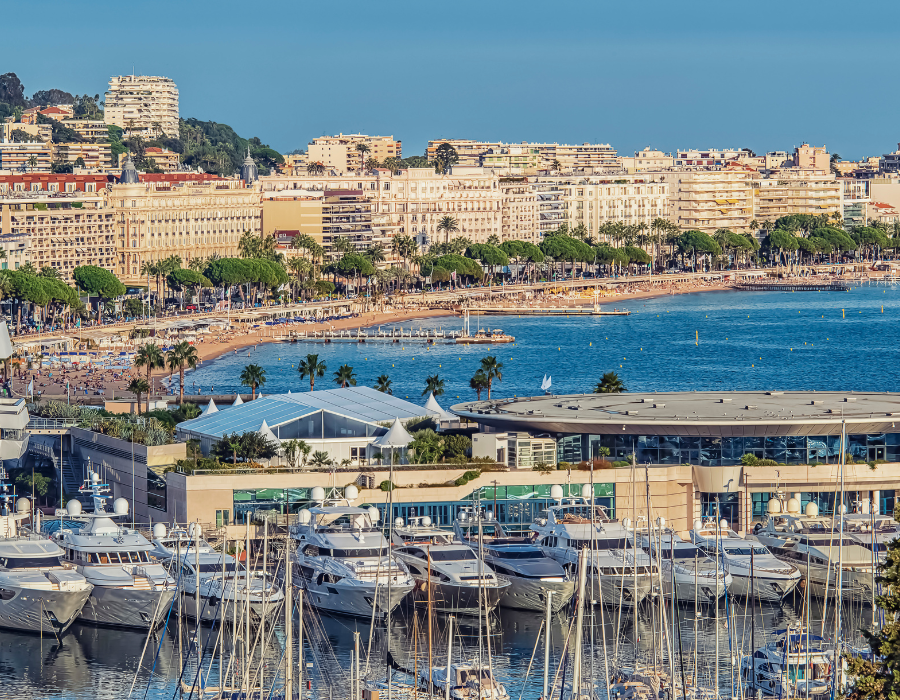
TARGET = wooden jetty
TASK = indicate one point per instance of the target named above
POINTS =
(543, 311)
(793, 287)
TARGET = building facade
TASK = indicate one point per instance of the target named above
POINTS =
(796, 191)
(710, 198)
(648, 159)
(26, 157)
(340, 152)
(546, 155)
(96, 156)
(145, 105)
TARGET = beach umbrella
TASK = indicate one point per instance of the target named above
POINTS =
(237, 400)
(5, 345)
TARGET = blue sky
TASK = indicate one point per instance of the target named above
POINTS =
(766, 75)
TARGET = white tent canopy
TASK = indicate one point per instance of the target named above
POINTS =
(396, 436)
(267, 433)
(434, 406)
(237, 400)
(210, 408)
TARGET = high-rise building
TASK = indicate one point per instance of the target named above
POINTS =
(146, 105)
(710, 198)
(341, 152)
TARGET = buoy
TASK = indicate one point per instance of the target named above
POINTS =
(590, 345)
(843, 314)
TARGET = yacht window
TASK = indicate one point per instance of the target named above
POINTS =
(217, 568)
(519, 554)
(745, 551)
(104, 558)
(453, 555)
(186, 571)
(30, 562)
(354, 553)
(126, 558)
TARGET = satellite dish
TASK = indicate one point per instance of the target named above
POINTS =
(723, 524)
(426, 521)
(698, 525)
(374, 514)
(660, 522)
(489, 515)
(463, 516)
(304, 516)
(774, 506)
(398, 522)
(120, 506)
(73, 507)
(626, 523)
(812, 510)
(351, 493)
(586, 491)
(556, 492)
(23, 505)
(793, 506)
(317, 494)
(159, 530)
(843, 508)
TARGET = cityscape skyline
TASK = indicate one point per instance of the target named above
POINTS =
(648, 84)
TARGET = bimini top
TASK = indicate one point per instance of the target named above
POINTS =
(695, 413)
(348, 412)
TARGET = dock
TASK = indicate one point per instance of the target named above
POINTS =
(792, 287)
(362, 335)
(543, 311)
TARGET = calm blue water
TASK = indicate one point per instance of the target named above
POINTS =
(747, 340)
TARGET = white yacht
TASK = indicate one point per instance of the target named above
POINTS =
(38, 591)
(468, 681)
(813, 544)
(459, 581)
(621, 573)
(130, 590)
(874, 532)
(222, 580)
(795, 665)
(343, 561)
(694, 574)
(754, 570)
(531, 573)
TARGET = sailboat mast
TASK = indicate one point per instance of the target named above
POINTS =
(197, 592)
(288, 622)
(840, 571)
(547, 616)
(716, 600)
(245, 681)
(450, 657)
(579, 622)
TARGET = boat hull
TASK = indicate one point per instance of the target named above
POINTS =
(211, 608)
(127, 607)
(40, 611)
(460, 600)
(769, 589)
(531, 594)
(616, 589)
(356, 600)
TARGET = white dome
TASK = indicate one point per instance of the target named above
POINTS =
(159, 530)
(73, 507)
(556, 492)
(626, 523)
(398, 522)
(793, 505)
(317, 494)
(463, 516)
(304, 516)
(661, 522)
(723, 524)
(374, 514)
(843, 508)
(23, 505)
(774, 506)
(812, 510)
(120, 506)
(586, 491)
(194, 530)
(95, 478)
(351, 493)
(488, 515)
(698, 525)
(426, 521)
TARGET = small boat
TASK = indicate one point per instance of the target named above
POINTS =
(467, 681)
(486, 337)
(795, 665)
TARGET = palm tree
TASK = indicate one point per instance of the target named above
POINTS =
(492, 370)
(253, 376)
(32, 162)
(320, 458)
(479, 382)
(434, 385)
(315, 168)
(344, 376)
(362, 149)
(312, 368)
(383, 384)
(447, 225)
(557, 166)
(138, 387)
(609, 384)
(182, 355)
(150, 356)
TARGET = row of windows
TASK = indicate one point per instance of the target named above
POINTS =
(80, 557)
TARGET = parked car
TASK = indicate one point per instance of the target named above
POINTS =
(191, 307)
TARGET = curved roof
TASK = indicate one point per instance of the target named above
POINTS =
(706, 413)
(129, 174)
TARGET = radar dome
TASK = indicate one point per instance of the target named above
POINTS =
(812, 510)
(23, 505)
(556, 492)
(120, 506)
(304, 516)
(463, 516)
(73, 507)
(843, 508)
(793, 505)
(426, 521)
(774, 506)
(626, 523)
(317, 494)
(159, 530)
(398, 522)
(374, 514)
(194, 530)
(586, 491)
(660, 521)
(723, 524)
(351, 492)
(698, 525)
(95, 478)
(488, 515)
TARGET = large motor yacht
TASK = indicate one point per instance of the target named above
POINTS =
(531, 573)
(448, 573)
(754, 570)
(225, 587)
(130, 590)
(693, 573)
(619, 573)
(343, 560)
(38, 591)
(814, 545)
(874, 532)
(795, 665)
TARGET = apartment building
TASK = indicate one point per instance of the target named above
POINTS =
(340, 152)
(25, 157)
(710, 157)
(40, 132)
(569, 157)
(94, 155)
(811, 157)
(890, 162)
(632, 199)
(58, 221)
(518, 210)
(648, 159)
(145, 105)
(513, 159)
(91, 129)
(710, 198)
(796, 191)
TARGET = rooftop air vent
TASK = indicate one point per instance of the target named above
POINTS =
(749, 407)
(724, 400)
(659, 405)
(631, 413)
(850, 399)
(816, 403)
(774, 393)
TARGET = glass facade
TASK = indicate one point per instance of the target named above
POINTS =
(156, 490)
(726, 451)
(258, 502)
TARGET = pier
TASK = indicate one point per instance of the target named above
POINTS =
(362, 335)
(792, 287)
(544, 311)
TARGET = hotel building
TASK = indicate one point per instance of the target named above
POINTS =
(796, 191)
(710, 198)
(339, 152)
(146, 105)
(485, 153)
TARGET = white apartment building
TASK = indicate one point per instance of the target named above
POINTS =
(518, 210)
(146, 105)
(479, 153)
(648, 159)
(631, 199)
(796, 191)
(709, 157)
(711, 198)
(340, 152)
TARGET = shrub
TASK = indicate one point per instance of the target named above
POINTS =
(621, 463)
(542, 467)
(467, 477)
(387, 485)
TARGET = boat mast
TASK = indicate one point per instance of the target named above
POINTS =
(450, 658)
(547, 616)
(245, 681)
(288, 622)
(579, 622)
(840, 572)
(716, 600)
(197, 592)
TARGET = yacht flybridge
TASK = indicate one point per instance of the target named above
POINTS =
(39, 592)
(343, 560)
(130, 590)
(531, 573)
(692, 573)
(618, 572)
(753, 568)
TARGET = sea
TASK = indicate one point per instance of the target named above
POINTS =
(705, 341)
